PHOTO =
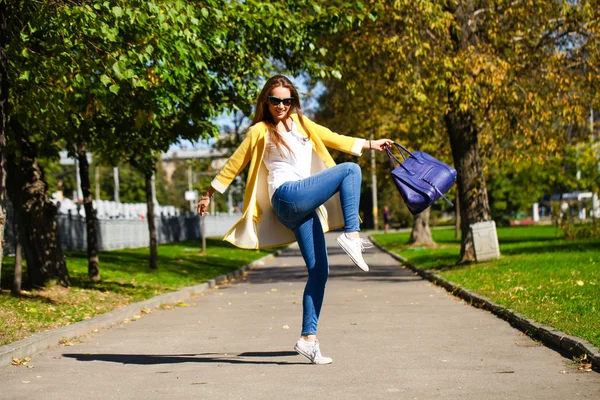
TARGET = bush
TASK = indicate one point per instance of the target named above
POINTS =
(575, 229)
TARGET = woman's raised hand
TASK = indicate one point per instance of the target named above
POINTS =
(379, 144)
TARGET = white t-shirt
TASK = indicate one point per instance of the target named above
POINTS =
(288, 167)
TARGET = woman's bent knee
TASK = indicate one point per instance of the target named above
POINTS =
(352, 168)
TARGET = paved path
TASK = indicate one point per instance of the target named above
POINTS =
(391, 335)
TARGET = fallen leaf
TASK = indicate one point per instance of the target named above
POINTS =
(26, 381)
(182, 304)
(285, 327)
(273, 290)
(585, 367)
(20, 361)
(580, 283)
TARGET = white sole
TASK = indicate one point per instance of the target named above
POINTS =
(308, 357)
(348, 251)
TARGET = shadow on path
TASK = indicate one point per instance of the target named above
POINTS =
(218, 358)
(340, 267)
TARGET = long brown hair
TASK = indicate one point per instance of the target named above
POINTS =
(262, 113)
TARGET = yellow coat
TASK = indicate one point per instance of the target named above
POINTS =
(259, 226)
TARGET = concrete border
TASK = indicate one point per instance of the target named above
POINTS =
(553, 338)
(41, 341)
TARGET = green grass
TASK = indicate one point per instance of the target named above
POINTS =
(551, 280)
(126, 278)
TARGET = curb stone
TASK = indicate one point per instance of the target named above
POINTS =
(549, 336)
(41, 341)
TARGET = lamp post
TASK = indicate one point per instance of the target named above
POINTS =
(374, 188)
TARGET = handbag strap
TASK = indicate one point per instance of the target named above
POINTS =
(394, 160)
(402, 150)
(438, 192)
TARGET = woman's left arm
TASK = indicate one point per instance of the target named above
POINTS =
(347, 144)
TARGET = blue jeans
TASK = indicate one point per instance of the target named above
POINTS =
(295, 203)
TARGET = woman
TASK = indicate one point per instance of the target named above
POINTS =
(295, 192)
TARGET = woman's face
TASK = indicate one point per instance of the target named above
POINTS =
(279, 111)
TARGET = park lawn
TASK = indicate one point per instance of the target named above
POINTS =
(126, 278)
(551, 280)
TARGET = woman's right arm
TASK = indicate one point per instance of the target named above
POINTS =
(234, 165)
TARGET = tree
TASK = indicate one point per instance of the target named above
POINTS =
(496, 77)
(421, 234)
(3, 121)
(135, 77)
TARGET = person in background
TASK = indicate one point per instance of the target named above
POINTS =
(296, 192)
(386, 219)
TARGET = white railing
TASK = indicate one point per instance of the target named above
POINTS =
(122, 233)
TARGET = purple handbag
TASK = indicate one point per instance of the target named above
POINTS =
(420, 178)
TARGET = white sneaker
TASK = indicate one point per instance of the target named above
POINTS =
(311, 351)
(354, 247)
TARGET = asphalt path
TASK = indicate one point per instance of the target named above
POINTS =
(391, 335)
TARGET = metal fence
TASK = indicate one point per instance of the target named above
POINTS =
(116, 234)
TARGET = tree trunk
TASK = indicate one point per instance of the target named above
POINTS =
(463, 133)
(421, 234)
(39, 233)
(151, 222)
(474, 205)
(18, 272)
(457, 221)
(3, 120)
(90, 214)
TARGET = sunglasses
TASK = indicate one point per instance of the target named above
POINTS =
(276, 100)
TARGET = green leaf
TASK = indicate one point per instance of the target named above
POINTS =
(117, 68)
(24, 76)
(105, 79)
(115, 88)
(204, 12)
(117, 11)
